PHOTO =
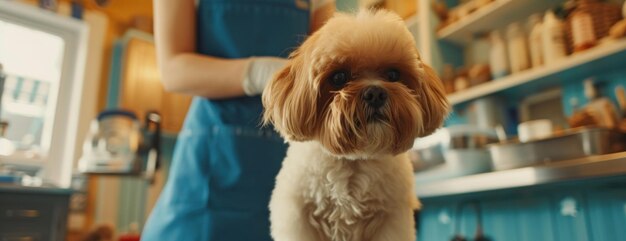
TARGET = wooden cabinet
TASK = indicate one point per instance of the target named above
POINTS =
(140, 88)
(34, 214)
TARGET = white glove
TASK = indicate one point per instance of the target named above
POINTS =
(259, 71)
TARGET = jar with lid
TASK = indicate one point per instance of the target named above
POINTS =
(518, 48)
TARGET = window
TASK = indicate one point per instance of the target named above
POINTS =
(43, 55)
(32, 61)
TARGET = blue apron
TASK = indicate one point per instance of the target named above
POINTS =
(224, 164)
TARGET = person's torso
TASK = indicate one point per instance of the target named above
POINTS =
(240, 29)
(224, 165)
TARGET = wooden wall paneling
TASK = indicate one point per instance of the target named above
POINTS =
(141, 90)
(97, 30)
(175, 107)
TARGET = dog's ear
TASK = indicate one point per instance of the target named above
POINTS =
(290, 102)
(433, 99)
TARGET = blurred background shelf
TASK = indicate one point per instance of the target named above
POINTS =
(526, 203)
(584, 168)
(604, 57)
(490, 17)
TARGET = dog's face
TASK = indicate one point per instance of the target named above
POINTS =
(358, 87)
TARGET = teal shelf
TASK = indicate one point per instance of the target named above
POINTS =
(584, 168)
(490, 16)
(608, 56)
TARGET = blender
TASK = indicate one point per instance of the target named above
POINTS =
(115, 145)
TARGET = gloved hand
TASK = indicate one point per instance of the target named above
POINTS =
(259, 72)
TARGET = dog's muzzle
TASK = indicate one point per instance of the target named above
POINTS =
(375, 97)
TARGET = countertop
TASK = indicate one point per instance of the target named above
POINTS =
(43, 189)
(584, 168)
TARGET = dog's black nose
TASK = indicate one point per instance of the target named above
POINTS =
(375, 96)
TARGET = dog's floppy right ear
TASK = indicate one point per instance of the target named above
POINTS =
(289, 102)
(435, 104)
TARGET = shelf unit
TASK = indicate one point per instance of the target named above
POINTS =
(605, 56)
(434, 46)
(584, 168)
(487, 18)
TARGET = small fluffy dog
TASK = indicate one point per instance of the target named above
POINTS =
(351, 101)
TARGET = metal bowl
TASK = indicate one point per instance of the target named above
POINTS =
(571, 144)
(433, 150)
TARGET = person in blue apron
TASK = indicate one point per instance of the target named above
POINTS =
(224, 165)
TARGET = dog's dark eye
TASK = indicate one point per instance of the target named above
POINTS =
(392, 75)
(339, 78)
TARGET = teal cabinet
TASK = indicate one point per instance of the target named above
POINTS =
(607, 214)
(570, 213)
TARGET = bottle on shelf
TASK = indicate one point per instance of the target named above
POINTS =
(498, 60)
(518, 48)
(582, 27)
(553, 39)
(535, 42)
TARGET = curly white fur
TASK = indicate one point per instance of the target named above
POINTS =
(319, 197)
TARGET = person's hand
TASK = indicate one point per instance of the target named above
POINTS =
(259, 71)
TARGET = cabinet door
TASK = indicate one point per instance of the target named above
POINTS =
(607, 214)
(26, 216)
(141, 88)
(519, 219)
(436, 222)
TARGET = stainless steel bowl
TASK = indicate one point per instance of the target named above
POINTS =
(572, 144)
(433, 150)
(426, 158)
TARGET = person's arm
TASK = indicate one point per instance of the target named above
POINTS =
(182, 69)
(185, 71)
(322, 14)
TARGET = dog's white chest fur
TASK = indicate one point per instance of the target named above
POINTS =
(344, 197)
(318, 197)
